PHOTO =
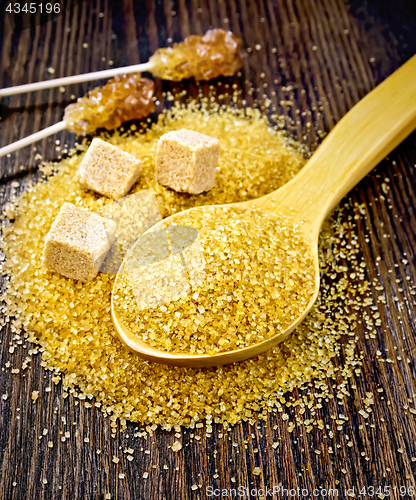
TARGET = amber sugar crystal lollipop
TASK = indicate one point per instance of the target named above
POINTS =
(127, 97)
(217, 53)
(123, 98)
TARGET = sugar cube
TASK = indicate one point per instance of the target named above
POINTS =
(108, 170)
(78, 242)
(186, 161)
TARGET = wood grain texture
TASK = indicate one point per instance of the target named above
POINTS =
(324, 55)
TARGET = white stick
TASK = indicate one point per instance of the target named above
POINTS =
(33, 138)
(69, 80)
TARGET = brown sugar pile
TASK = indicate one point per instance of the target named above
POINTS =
(258, 278)
(71, 320)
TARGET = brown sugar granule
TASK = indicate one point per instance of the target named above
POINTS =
(255, 160)
(186, 161)
(177, 446)
(108, 170)
(78, 243)
(258, 279)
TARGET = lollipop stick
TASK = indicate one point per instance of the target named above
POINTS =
(69, 80)
(33, 138)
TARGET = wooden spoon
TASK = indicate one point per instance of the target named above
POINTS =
(360, 140)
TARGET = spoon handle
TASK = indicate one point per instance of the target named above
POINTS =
(360, 140)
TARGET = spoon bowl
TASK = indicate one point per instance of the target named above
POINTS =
(360, 140)
(135, 344)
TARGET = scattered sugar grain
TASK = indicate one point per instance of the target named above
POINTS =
(176, 446)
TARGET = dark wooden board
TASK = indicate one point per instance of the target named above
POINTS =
(336, 51)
